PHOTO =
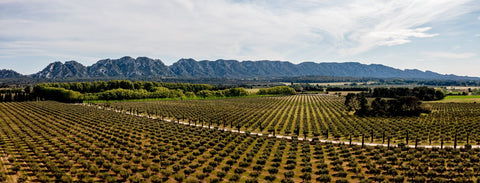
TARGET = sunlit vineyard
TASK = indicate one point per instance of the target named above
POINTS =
(56, 142)
(321, 116)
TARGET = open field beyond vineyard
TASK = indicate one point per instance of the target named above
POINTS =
(56, 142)
(460, 99)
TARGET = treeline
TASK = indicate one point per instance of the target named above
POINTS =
(162, 92)
(301, 87)
(57, 94)
(101, 86)
(423, 93)
(232, 92)
(126, 94)
(321, 79)
(277, 90)
(379, 81)
(16, 94)
(401, 106)
(450, 82)
(125, 89)
(399, 102)
(476, 91)
(365, 89)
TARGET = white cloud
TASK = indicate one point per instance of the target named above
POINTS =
(477, 35)
(209, 29)
(400, 36)
(449, 55)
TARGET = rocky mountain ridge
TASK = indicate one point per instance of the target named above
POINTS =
(128, 67)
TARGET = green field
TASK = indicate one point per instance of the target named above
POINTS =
(460, 99)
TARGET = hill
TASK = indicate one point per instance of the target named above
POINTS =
(4, 73)
(128, 67)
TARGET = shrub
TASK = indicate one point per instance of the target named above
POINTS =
(254, 174)
(270, 178)
(135, 179)
(234, 177)
(324, 178)
(221, 174)
(207, 169)
(399, 178)
(289, 174)
(238, 170)
(179, 177)
(191, 180)
(155, 179)
(66, 179)
(272, 170)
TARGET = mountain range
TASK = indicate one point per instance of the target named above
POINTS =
(128, 67)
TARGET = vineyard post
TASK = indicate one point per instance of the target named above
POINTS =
(441, 143)
(383, 137)
(274, 132)
(416, 142)
(350, 143)
(429, 139)
(455, 141)
(209, 124)
(363, 139)
(327, 134)
(388, 141)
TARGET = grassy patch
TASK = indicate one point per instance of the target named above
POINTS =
(460, 99)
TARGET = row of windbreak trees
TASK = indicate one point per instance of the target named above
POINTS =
(277, 90)
(101, 86)
(301, 87)
(422, 93)
(16, 95)
(125, 89)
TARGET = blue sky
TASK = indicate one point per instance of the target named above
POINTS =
(437, 35)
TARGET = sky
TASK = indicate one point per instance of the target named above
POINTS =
(437, 35)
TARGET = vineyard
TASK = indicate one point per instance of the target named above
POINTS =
(57, 142)
(321, 116)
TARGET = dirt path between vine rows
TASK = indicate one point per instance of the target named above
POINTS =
(285, 136)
